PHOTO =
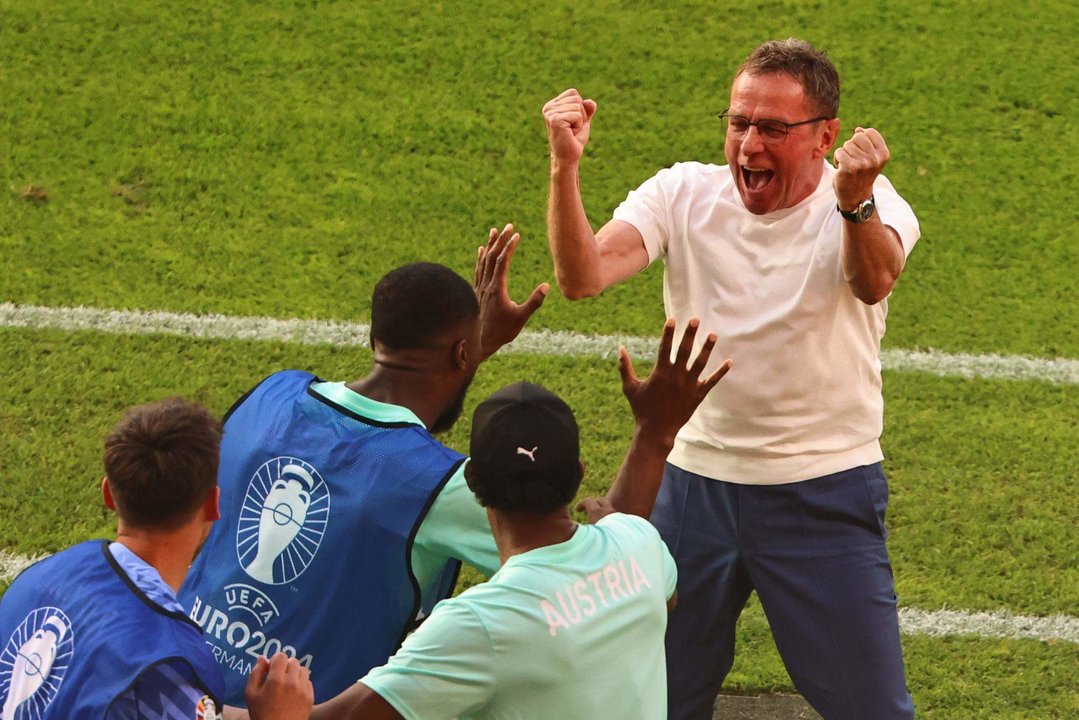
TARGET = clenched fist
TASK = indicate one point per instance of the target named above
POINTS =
(569, 121)
(859, 162)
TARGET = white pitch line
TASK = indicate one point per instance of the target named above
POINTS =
(912, 621)
(12, 564)
(999, 624)
(1062, 371)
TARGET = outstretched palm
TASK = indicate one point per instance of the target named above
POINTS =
(501, 319)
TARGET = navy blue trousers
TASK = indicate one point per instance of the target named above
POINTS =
(815, 553)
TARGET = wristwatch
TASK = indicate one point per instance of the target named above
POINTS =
(861, 212)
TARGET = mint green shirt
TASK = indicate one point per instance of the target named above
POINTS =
(567, 631)
(456, 526)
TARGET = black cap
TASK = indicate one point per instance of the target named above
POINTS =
(526, 435)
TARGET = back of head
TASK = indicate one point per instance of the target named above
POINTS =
(417, 303)
(161, 461)
(803, 62)
(525, 451)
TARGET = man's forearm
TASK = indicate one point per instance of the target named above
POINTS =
(635, 488)
(358, 702)
(872, 259)
(573, 243)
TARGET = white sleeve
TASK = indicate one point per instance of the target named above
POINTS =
(648, 209)
(896, 213)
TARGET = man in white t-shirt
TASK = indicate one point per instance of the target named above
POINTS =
(572, 625)
(775, 484)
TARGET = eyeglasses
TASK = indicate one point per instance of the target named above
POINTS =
(772, 132)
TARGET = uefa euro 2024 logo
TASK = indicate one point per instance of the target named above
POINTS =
(282, 520)
(34, 662)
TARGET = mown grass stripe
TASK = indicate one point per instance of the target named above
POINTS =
(912, 621)
(538, 342)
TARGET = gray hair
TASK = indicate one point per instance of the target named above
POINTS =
(803, 62)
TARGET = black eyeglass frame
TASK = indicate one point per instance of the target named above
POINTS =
(726, 115)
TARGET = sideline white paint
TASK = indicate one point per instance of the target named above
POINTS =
(546, 342)
(999, 624)
(12, 564)
(912, 621)
(1063, 371)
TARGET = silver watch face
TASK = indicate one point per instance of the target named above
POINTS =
(864, 211)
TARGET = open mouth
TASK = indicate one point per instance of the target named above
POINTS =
(756, 179)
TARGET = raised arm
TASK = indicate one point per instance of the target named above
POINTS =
(501, 319)
(872, 252)
(662, 403)
(585, 263)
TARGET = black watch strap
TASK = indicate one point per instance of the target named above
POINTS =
(861, 212)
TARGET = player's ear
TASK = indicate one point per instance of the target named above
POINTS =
(829, 134)
(211, 506)
(469, 474)
(106, 494)
(461, 355)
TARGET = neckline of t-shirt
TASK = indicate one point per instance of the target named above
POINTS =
(145, 577)
(340, 393)
(549, 553)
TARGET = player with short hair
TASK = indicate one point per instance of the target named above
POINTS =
(344, 519)
(571, 626)
(95, 632)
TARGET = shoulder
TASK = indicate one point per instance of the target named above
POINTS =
(456, 526)
(623, 520)
(455, 499)
(454, 510)
(397, 428)
(45, 568)
(415, 442)
(281, 378)
(630, 526)
(689, 185)
(459, 621)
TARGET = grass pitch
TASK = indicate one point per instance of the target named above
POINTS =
(277, 159)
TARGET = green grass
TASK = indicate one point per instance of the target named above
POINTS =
(981, 524)
(256, 160)
(971, 678)
(277, 159)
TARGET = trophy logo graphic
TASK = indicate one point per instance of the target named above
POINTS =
(34, 662)
(282, 521)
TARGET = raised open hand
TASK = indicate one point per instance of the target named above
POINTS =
(501, 319)
(664, 401)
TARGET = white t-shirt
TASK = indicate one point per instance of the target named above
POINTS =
(804, 397)
(569, 631)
